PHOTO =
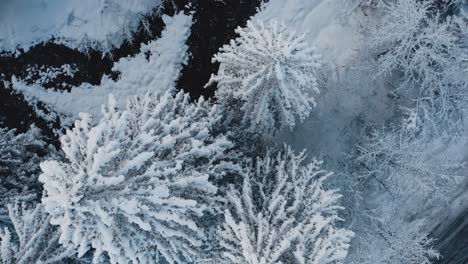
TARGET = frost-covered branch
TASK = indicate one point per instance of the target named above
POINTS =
(407, 244)
(426, 49)
(416, 41)
(33, 240)
(392, 241)
(409, 165)
(20, 156)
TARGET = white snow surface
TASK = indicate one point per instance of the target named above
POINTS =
(154, 69)
(75, 23)
(321, 20)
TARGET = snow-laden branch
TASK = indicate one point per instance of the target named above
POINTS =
(33, 240)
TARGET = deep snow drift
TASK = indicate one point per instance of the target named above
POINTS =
(80, 24)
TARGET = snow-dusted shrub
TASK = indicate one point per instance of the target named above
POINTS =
(406, 164)
(33, 240)
(271, 70)
(282, 214)
(20, 156)
(134, 185)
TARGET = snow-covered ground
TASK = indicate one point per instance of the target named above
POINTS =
(321, 20)
(76, 23)
(154, 69)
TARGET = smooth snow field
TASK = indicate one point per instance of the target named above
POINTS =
(80, 24)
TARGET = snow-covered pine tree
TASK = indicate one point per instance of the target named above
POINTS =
(282, 214)
(135, 184)
(33, 240)
(20, 156)
(271, 70)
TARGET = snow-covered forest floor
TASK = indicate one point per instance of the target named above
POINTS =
(188, 182)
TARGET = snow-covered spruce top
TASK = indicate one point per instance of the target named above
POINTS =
(282, 214)
(271, 69)
(134, 185)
